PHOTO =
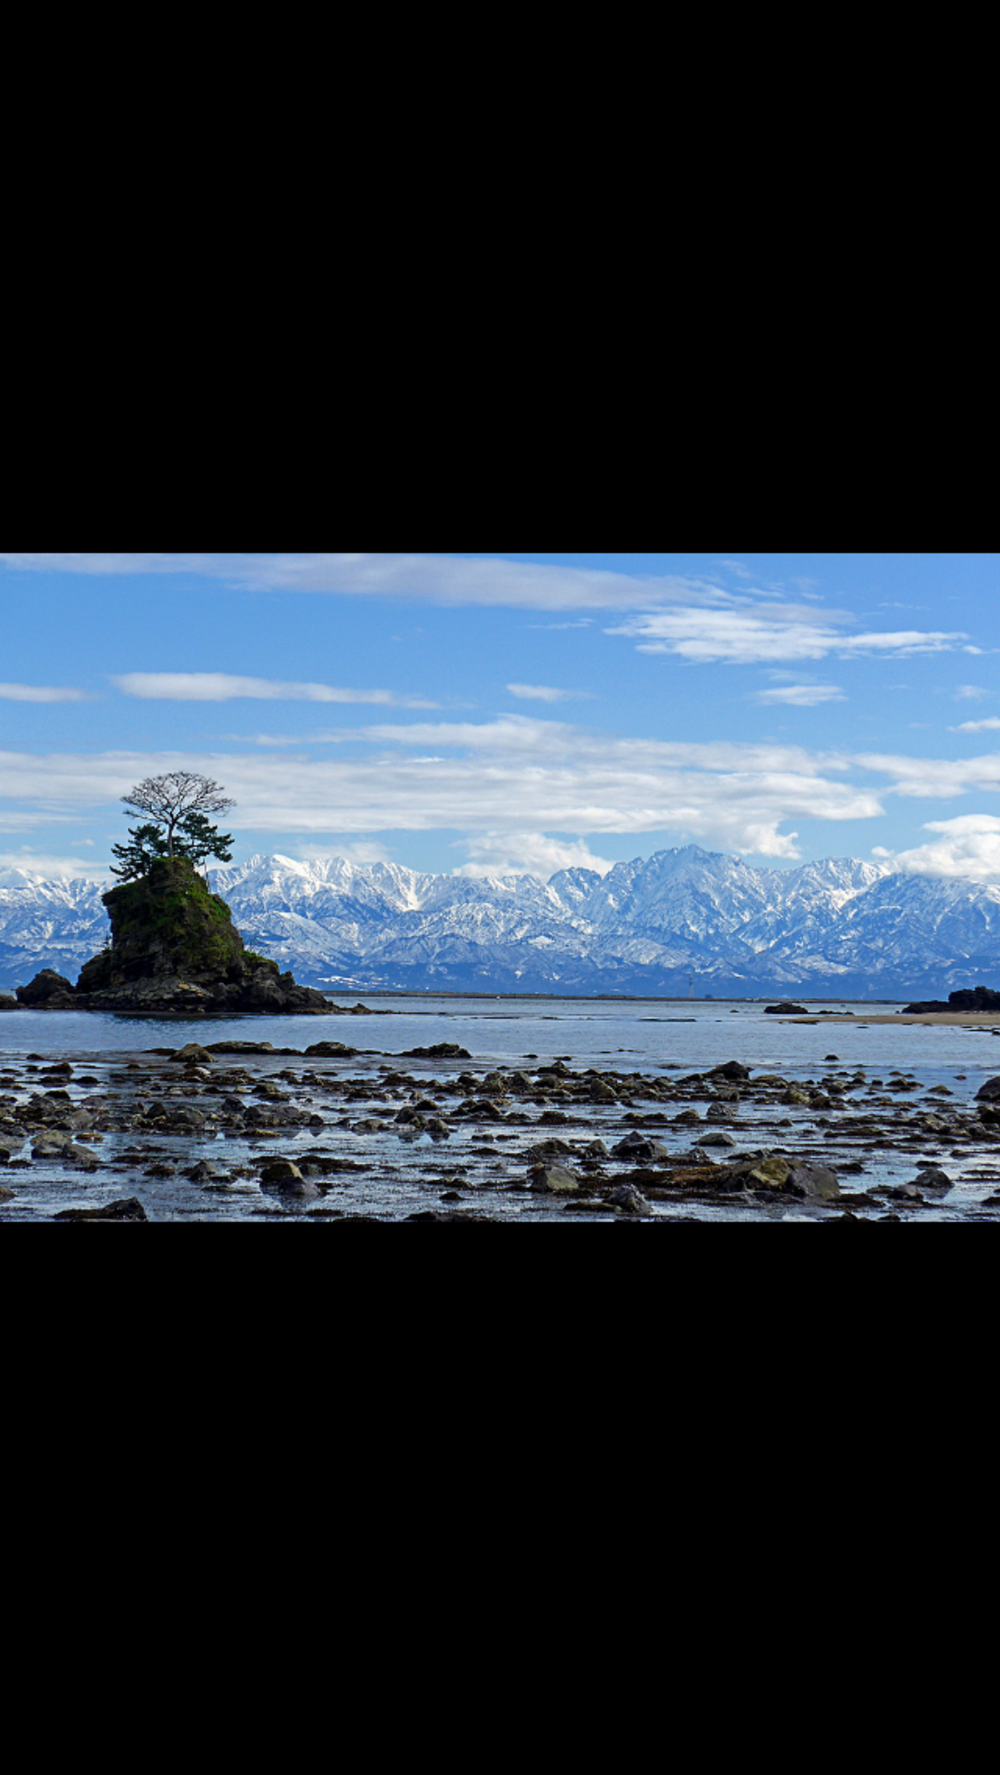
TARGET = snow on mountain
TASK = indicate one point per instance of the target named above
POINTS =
(838, 926)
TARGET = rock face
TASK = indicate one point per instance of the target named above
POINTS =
(174, 948)
(48, 991)
(976, 998)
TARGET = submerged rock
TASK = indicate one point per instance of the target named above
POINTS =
(130, 1209)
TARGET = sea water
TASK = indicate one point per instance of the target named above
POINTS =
(642, 1035)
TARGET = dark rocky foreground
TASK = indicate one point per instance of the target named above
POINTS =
(973, 998)
(174, 950)
(238, 1130)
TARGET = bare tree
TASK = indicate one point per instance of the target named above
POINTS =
(171, 797)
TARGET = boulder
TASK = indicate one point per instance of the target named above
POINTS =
(640, 1151)
(284, 1178)
(629, 1200)
(439, 1051)
(129, 1209)
(558, 1180)
(732, 1069)
(48, 991)
(816, 1182)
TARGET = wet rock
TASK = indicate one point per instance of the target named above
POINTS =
(439, 1051)
(48, 991)
(557, 1180)
(448, 1214)
(7, 1003)
(629, 1200)
(331, 1051)
(786, 1008)
(129, 1209)
(594, 1150)
(814, 1182)
(718, 1138)
(53, 1144)
(242, 1048)
(732, 1069)
(284, 1178)
(640, 1151)
(194, 1051)
(932, 1177)
(276, 1115)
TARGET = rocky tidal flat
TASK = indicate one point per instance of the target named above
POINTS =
(326, 1132)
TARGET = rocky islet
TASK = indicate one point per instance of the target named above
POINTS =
(174, 950)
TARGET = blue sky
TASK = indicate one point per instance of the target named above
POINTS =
(481, 713)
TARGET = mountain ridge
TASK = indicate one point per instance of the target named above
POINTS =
(839, 926)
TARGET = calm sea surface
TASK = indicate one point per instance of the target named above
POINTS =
(638, 1035)
(641, 1036)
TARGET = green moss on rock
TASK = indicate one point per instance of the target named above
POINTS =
(174, 947)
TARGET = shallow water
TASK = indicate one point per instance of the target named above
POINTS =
(399, 1175)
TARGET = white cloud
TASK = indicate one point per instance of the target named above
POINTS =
(970, 693)
(36, 862)
(988, 723)
(438, 579)
(753, 637)
(802, 696)
(968, 847)
(515, 775)
(362, 850)
(934, 778)
(221, 687)
(41, 693)
(542, 693)
(527, 853)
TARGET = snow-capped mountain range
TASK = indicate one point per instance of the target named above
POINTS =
(840, 927)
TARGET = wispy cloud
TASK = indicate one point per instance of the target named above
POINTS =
(223, 687)
(934, 778)
(544, 693)
(988, 722)
(41, 693)
(971, 693)
(436, 579)
(52, 866)
(514, 775)
(802, 696)
(360, 850)
(527, 853)
(753, 637)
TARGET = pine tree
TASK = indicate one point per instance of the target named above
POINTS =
(178, 802)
